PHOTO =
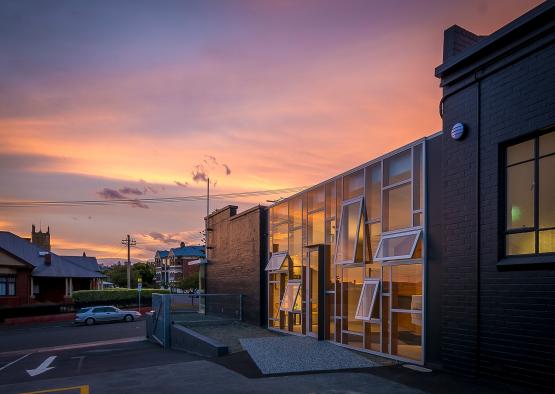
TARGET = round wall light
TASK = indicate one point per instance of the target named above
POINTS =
(458, 131)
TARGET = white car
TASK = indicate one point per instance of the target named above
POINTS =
(98, 314)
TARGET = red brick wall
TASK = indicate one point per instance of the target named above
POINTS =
(22, 290)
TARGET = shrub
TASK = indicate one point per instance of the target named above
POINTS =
(114, 296)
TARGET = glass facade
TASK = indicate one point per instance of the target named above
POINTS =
(370, 223)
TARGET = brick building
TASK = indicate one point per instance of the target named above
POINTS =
(236, 257)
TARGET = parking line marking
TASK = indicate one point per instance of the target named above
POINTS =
(13, 362)
(84, 389)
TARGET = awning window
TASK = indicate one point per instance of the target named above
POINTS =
(350, 235)
(367, 307)
(397, 246)
(276, 261)
(290, 300)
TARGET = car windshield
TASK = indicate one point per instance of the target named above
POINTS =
(83, 310)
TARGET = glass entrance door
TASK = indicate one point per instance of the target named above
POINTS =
(312, 293)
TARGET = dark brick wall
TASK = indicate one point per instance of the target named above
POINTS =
(495, 323)
(236, 258)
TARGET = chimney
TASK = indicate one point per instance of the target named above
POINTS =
(84, 254)
(48, 259)
(456, 40)
(182, 244)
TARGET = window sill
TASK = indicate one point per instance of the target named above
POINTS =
(515, 263)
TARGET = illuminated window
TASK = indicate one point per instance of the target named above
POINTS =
(530, 196)
(276, 261)
(397, 246)
(349, 240)
(367, 307)
(290, 300)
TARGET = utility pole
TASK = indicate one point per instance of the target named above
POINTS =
(128, 242)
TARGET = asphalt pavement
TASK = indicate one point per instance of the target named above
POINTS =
(27, 337)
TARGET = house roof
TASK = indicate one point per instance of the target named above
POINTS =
(60, 266)
(188, 251)
(162, 253)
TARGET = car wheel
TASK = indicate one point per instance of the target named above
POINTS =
(128, 318)
(90, 321)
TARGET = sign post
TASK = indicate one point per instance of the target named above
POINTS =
(139, 287)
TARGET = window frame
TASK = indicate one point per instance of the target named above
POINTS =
(361, 211)
(535, 229)
(395, 234)
(269, 266)
(375, 295)
(290, 283)
(8, 279)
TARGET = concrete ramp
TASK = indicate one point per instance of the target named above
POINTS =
(289, 354)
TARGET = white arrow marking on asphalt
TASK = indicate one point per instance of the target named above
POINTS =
(43, 367)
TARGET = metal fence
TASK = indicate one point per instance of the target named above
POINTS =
(169, 309)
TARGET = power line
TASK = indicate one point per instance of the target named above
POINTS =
(138, 201)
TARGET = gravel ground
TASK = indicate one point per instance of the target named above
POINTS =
(230, 334)
(300, 354)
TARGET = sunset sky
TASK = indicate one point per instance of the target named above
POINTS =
(102, 99)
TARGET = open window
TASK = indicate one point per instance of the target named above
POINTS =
(397, 246)
(350, 235)
(367, 307)
(276, 261)
(290, 301)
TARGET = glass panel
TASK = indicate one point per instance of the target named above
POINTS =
(296, 321)
(373, 232)
(547, 191)
(330, 238)
(520, 196)
(397, 208)
(547, 143)
(316, 228)
(330, 314)
(520, 152)
(330, 200)
(372, 337)
(417, 219)
(367, 300)
(348, 232)
(397, 246)
(351, 287)
(339, 197)
(290, 296)
(417, 180)
(406, 280)
(353, 185)
(353, 340)
(280, 235)
(385, 324)
(386, 272)
(406, 335)
(313, 291)
(273, 302)
(397, 168)
(374, 192)
(295, 252)
(315, 199)
(280, 213)
(520, 243)
(547, 241)
(296, 212)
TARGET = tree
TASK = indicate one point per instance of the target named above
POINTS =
(190, 282)
(146, 271)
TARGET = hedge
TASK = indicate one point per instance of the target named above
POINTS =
(115, 296)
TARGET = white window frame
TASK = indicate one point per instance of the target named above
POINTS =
(271, 266)
(397, 234)
(290, 283)
(355, 200)
(375, 295)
